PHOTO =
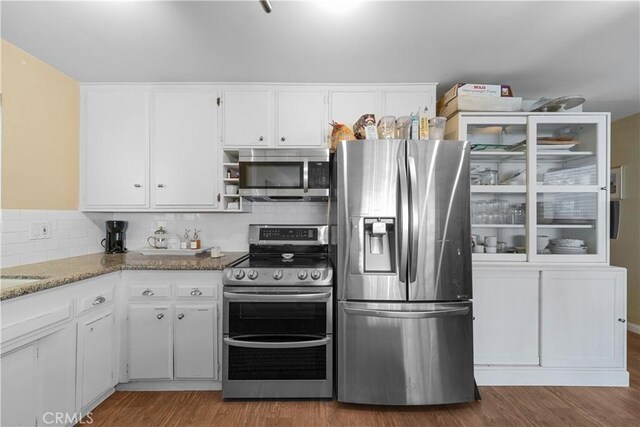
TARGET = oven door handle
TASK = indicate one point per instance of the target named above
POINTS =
(284, 344)
(247, 296)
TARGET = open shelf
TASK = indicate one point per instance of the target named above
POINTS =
(566, 226)
(540, 188)
(497, 225)
(498, 189)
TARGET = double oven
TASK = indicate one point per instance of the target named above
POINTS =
(278, 316)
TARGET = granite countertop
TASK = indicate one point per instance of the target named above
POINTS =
(51, 274)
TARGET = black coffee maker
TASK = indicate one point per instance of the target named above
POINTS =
(114, 242)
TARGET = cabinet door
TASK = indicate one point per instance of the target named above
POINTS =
(56, 374)
(95, 356)
(195, 334)
(185, 148)
(116, 149)
(346, 106)
(18, 381)
(301, 119)
(404, 101)
(505, 306)
(583, 319)
(150, 342)
(247, 118)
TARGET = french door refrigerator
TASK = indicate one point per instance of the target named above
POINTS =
(400, 211)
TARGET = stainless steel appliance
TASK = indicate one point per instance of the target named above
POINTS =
(284, 174)
(403, 272)
(278, 316)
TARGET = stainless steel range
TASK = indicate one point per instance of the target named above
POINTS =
(278, 315)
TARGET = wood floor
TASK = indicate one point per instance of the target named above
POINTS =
(500, 406)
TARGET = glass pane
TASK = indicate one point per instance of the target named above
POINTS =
(271, 175)
(498, 223)
(497, 154)
(277, 317)
(566, 223)
(567, 154)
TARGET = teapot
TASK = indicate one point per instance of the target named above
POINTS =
(159, 239)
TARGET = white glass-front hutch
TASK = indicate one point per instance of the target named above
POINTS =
(538, 184)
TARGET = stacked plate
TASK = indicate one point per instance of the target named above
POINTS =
(568, 247)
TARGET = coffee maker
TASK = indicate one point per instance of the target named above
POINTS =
(114, 242)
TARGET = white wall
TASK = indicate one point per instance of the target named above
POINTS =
(76, 233)
(73, 233)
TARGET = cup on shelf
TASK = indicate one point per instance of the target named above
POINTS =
(491, 241)
(491, 249)
(478, 249)
(501, 247)
(542, 242)
(231, 189)
(233, 205)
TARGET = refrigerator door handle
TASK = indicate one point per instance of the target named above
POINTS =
(413, 235)
(397, 314)
(404, 219)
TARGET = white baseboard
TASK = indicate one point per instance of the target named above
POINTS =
(550, 377)
(169, 385)
(633, 328)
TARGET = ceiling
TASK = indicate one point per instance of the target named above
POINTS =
(539, 48)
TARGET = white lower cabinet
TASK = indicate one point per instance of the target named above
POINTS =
(38, 381)
(505, 328)
(95, 356)
(18, 383)
(195, 341)
(583, 322)
(150, 342)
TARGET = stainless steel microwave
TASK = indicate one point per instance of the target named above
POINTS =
(285, 174)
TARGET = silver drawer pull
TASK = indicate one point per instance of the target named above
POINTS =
(148, 293)
(180, 316)
(285, 344)
(196, 292)
(99, 300)
(160, 316)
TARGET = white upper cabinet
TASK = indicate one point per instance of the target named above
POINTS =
(185, 148)
(347, 105)
(247, 117)
(301, 118)
(116, 148)
(404, 100)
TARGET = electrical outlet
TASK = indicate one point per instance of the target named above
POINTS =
(40, 230)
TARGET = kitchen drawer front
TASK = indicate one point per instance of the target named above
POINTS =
(195, 291)
(151, 292)
(95, 299)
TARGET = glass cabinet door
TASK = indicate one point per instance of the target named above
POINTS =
(568, 188)
(498, 185)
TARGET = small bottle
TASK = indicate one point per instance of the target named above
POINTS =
(195, 242)
(228, 173)
(185, 242)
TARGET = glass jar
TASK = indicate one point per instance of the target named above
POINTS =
(489, 177)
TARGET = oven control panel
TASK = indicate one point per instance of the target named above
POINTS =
(299, 235)
(289, 234)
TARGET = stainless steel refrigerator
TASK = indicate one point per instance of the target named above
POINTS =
(400, 211)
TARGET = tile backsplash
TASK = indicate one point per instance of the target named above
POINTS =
(76, 233)
(73, 233)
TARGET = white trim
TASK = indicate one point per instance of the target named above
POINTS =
(633, 327)
(536, 376)
(170, 385)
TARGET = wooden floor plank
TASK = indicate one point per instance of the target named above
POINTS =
(500, 406)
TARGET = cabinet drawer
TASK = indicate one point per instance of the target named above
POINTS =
(94, 300)
(195, 291)
(151, 291)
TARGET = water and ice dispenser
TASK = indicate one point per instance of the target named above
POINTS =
(379, 245)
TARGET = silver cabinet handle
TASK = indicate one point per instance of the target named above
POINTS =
(160, 316)
(285, 344)
(283, 139)
(247, 296)
(137, 185)
(99, 300)
(407, 314)
(160, 185)
(148, 293)
(196, 292)
(261, 138)
(622, 320)
(180, 316)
